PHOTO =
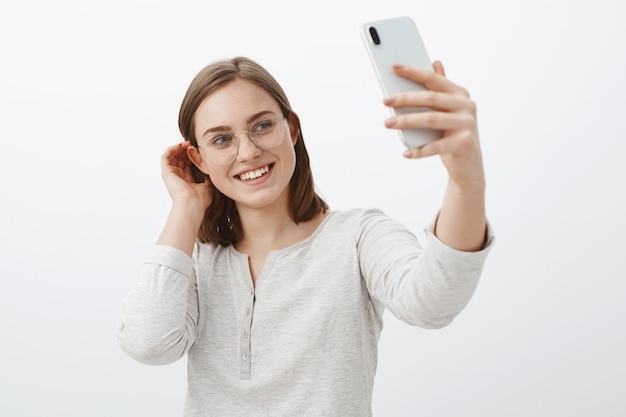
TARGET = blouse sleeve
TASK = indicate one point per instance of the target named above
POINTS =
(425, 285)
(159, 316)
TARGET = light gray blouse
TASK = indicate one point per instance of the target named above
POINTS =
(303, 341)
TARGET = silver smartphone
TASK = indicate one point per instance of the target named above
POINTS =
(397, 40)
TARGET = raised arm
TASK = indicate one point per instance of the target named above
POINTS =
(159, 316)
(461, 223)
(189, 199)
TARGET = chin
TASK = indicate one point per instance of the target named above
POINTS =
(263, 199)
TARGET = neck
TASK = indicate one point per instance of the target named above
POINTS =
(272, 228)
(265, 226)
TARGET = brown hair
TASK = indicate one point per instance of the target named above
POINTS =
(221, 223)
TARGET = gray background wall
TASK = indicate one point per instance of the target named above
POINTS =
(89, 96)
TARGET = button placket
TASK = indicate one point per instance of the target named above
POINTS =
(245, 337)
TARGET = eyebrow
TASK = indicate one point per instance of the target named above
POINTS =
(228, 128)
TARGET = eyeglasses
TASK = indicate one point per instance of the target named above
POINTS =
(221, 148)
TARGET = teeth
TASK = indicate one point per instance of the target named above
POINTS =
(250, 175)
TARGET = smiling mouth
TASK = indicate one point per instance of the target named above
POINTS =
(255, 173)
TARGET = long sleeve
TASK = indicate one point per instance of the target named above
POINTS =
(306, 335)
(424, 286)
(159, 316)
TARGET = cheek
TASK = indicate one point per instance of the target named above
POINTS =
(287, 158)
(219, 176)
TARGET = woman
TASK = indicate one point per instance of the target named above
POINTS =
(278, 301)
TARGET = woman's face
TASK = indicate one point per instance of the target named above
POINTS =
(256, 178)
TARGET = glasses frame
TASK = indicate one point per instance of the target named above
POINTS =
(250, 135)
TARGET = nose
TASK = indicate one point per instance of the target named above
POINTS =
(247, 149)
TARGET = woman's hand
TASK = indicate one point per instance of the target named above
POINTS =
(190, 200)
(178, 177)
(453, 112)
(461, 223)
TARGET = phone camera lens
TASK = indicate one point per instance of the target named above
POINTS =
(374, 35)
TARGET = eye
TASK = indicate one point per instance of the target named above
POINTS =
(263, 126)
(221, 139)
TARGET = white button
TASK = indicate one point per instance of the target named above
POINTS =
(248, 311)
(245, 356)
(245, 334)
(120, 326)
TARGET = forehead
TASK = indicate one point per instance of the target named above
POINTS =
(233, 103)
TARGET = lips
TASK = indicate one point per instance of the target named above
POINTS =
(254, 173)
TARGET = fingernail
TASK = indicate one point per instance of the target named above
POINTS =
(398, 66)
(406, 154)
(389, 101)
(391, 122)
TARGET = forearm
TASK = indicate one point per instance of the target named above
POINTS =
(462, 223)
(181, 228)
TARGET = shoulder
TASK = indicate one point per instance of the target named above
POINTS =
(362, 216)
(209, 251)
(359, 221)
(356, 215)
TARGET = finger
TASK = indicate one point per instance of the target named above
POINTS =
(430, 79)
(431, 120)
(459, 142)
(176, 156)
(438, 66)
(431, 99)
(173, 151)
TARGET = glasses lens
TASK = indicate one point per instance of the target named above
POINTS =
(220, 148)
(268, 133)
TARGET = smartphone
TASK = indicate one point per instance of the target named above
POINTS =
(398, 41)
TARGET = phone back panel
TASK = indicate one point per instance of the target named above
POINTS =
(400, 43)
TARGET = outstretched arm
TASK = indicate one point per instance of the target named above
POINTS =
(461, 223)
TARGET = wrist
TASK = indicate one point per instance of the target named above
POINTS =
(474, 186)
(188, 210)
(181, 228)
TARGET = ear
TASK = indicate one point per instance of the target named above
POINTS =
(294, 127)
(195, 156)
